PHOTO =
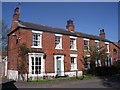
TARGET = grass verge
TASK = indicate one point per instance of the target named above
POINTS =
(59, 79)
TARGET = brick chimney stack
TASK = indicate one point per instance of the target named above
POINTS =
(102, 33)
(15, 19)
(16, 14)
(70, 26)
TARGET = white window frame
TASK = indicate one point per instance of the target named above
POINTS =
(42, 64)
(88, 44)
(98, 62)
(108, 63)
(88, 62)
(75, 42)
(75, 61)
(39, 32)
(60, 45)
(108, 47)
(96, 41)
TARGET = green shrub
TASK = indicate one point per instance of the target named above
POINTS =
(117, 65)
(88, 71)
(105, 71)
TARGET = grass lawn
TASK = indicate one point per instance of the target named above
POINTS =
(59, 79)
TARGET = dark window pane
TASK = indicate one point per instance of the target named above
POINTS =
(36, 61)
(39, 69)
(32, 69)
(72, 60)
(57, 40)
(32, 60)
(85, 42)
(39, 60)
(36, 69)
(32, 72)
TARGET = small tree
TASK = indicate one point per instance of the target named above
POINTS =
(3, 35)
(23, 51)
(96, 53)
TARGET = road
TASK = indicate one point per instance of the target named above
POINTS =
(86, 83)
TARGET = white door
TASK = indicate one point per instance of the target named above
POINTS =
(59, 65)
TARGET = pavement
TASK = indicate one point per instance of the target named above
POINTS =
(111, 82)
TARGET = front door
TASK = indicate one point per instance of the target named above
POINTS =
(59, 66)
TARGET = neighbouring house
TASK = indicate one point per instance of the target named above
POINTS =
(60, 50)
(3, 63)
(119, 50)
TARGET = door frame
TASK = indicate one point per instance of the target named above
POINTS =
(62, 64)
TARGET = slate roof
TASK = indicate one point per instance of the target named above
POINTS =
(44, 28)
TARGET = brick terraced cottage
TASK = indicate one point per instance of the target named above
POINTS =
(60, 49)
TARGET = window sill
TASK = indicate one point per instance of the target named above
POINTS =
(86, 50)
(34, 75)
(73, 49)
(74, 69)
(59, 48)
(36, 47)
(107, 52)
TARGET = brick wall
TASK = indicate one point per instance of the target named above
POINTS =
(48, 46)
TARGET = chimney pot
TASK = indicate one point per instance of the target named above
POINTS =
(16, 14)
(70, 25)
(69, 22)
(102, 33)
(16, 10)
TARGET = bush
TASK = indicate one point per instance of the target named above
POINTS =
(88, 71)
(106, 71)
(117, 65)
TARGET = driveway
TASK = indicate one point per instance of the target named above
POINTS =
(86, 83)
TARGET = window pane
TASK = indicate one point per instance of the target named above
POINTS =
(86, 64)
(36, 60)
(39, 69)
(97, 44)
(32, 69)
(39, 60)
(115, 51)
(85, 42)
(72, 43)
(72, 59)
(32, 58)
(36, 39)
(106, 46)
(86, 48)
(36, 69)
(57, 41)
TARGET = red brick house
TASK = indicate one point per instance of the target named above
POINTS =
(61, 49)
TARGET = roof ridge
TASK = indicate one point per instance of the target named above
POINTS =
(86, 33)
(43, 25)
(91, 35)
